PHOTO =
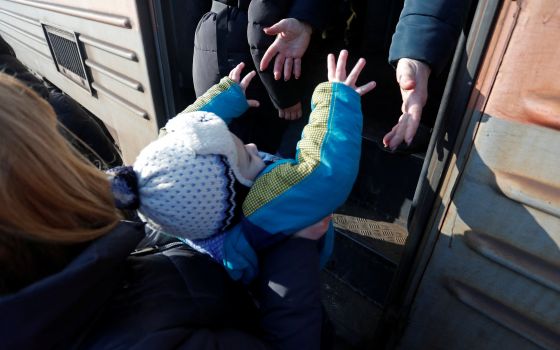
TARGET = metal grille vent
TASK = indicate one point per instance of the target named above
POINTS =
(66, 53)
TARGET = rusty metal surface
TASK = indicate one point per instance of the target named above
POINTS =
(517, 262)
(542, 107)
(529, 265)
(492, 279)
(506, 315)
(529, 191)
(531, 66)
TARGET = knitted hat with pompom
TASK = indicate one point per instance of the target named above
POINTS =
(187, 182)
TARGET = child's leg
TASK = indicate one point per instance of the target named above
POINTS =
(288, 292)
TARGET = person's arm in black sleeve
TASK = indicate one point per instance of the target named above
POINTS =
(212, 339)
(313, 12)
(427, 31)
(5, 48)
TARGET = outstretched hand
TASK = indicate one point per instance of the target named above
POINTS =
(292, 39)
(412, 76)
(235, 75)
(337, 73)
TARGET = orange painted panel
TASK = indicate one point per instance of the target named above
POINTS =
(527, 87)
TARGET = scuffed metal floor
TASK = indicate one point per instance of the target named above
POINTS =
(357, 279)
(387, 239)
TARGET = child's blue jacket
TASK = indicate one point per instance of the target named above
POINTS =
(291, 194)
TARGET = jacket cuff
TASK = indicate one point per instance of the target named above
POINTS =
(427, 31)
(240, 260)
(225, 99)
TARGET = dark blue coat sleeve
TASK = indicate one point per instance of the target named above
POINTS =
(313, 12)
(427, 31)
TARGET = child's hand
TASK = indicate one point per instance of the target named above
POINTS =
(315, 231)
(235, 75)
(337, 72)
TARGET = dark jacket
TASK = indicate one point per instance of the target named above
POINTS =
(82, 130)
(106, 298)
(262, 14)
(87, 134)
(10, 65)
(229, 34)
(226, 36)
(427, 31)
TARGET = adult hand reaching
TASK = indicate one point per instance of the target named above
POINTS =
(235, 75)
(337, 73)
(412, 76)
(292, 39)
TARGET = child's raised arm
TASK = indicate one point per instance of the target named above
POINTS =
(294, 193)
(227, 98)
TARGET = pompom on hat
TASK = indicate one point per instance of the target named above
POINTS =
(187, 181)
(207, 134)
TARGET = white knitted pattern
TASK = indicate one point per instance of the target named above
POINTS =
(207, 134)
(185, 188)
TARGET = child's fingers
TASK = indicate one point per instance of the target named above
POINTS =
(331, 66)
(364, 89)
(355, 73)
(315, 231)
(253, 103)
(340, 73)
(235, 73)
(247, 79)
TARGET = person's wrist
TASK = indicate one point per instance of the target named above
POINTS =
(306, 27)
(420, 65)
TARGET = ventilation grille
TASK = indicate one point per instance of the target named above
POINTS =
(66, 53)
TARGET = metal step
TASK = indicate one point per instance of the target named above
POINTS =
(370, 236)
(384, 238)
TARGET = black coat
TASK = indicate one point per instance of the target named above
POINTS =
(82, 130)
(228, 35)
(428, 30)
(10, 65)
(106, 298)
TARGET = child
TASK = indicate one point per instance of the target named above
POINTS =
(192, 180)
(198, 182)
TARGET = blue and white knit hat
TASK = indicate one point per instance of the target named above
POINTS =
(186, 179)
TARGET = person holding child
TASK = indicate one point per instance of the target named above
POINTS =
(198, 182)
(67, 264)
